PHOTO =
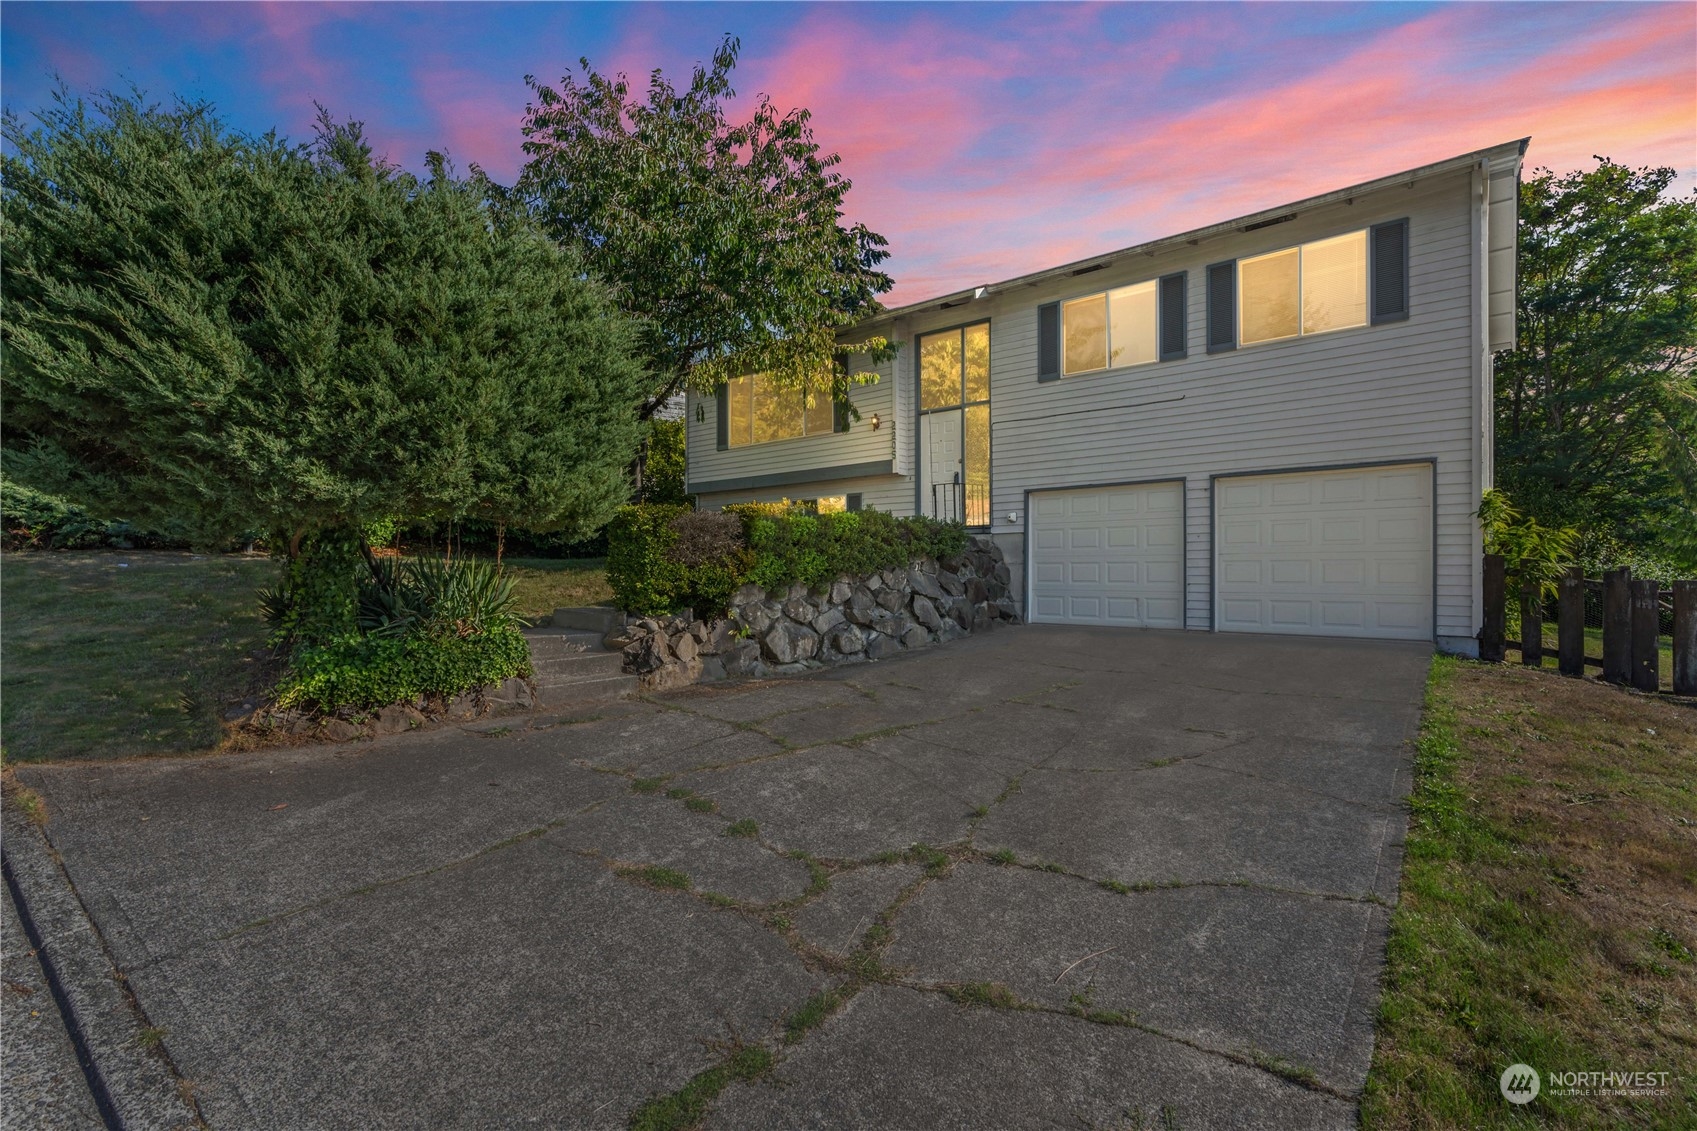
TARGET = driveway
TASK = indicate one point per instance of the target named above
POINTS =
(1151, 887)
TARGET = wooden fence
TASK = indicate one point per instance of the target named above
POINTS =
(1632, 616)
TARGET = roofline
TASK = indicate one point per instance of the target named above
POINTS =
(1196, 235)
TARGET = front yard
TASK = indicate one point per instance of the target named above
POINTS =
(111, 653)
(1548, 910)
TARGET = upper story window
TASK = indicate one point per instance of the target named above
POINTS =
(1110, 330)
(1308, 289)
(759, 411)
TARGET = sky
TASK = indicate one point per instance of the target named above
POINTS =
(984, 141)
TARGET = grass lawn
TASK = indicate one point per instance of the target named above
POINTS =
(109, 653)
(1548, 911)
(545, 584)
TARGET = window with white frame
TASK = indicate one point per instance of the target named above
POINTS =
(1110, 330)
(759, 411)
(1309, 289)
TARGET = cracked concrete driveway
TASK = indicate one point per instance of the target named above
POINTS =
(1046, 877)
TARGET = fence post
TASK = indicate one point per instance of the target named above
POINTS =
(1532, 626)
(1495, 631)
(1685, 638)
(1646, 657)
(1570, 623)
(1617, 625)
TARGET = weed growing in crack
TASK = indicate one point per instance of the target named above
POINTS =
(1003, 856)
(981, 811)
(151, 1037)
(780, 923)
(701, 805)
(688, 1106)
(934, 861)
(1279, 1066)
(743, 828)
(813, 1012)
(647, 785)
(819, 877)
(1114, 886)
(988, 995)
(654, 876)
(876, 937)
(718, 900)
(867, 966)
(679, 793)
(1157, 763)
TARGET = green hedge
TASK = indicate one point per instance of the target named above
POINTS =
(373, 671)
(661, 559)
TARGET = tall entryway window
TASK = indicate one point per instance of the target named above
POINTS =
(954, 424)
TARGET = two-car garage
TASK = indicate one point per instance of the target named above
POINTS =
(1335, 552)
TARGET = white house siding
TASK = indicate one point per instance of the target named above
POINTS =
(1396, 392)
(858, 446)
(892, 493)
(1410, 391)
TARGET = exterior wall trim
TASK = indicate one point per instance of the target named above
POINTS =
(1431, 463)
(791, 478)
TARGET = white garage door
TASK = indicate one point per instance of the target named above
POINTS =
(1326, 553)
(1109, 555)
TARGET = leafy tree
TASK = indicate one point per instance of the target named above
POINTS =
(1597, 407)
(725, 239)
(663, 481)
(227, 333)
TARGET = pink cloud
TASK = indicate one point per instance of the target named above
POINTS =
(1403, 99)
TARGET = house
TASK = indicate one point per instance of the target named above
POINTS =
(1276, 424)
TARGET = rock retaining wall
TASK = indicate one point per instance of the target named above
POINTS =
(849, 621)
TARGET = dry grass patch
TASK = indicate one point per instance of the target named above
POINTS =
(1549, 904)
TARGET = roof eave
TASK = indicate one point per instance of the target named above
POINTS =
(1197, 235)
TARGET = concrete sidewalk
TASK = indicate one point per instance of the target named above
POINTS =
(1151, 881)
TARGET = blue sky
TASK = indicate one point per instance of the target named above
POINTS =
(983, 140)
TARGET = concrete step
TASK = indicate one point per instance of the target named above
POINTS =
(580, 665)
(592, 618)
(555, 696)
(546, 642)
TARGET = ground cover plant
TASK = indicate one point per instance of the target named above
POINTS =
(1548, 910)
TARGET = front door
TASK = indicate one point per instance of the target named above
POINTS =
(943, 473)
(954, 424)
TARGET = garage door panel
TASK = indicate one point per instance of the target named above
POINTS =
(1341, 553)
(1117, 559)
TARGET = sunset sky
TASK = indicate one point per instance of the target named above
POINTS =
(983, 140)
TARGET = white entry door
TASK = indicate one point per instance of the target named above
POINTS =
(1326, 553)
(941, 467)
(1109, 555)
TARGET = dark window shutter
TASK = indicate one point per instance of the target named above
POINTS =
(1387, 270)
(1172, 316)
(1049, 342)
(840, 416)
(853, 501)
(723, 419)
(1222, 306)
